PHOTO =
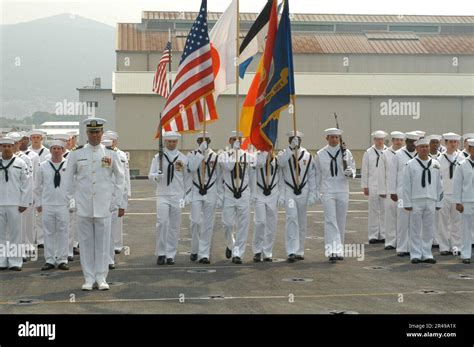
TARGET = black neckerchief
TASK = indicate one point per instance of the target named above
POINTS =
(41, 152)
(242, 167)
(409, 155)
(452, 165)
(203, 188)
(333, 163)
(297, 189)
(267, 189)
(465, 154)
(170, 169)
(378, 156)
(472, 163)
(57, 175)
(423, 174)
(66, 154)
(5, 168)
(27, 152)
(391, 150)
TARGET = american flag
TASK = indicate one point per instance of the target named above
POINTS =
(160, 83)
(194, 84)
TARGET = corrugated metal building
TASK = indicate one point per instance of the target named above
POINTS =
(375, 71)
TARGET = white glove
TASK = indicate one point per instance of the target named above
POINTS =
(203, 147)
(281, 202)
(348, 173)
(236, 145)
(295, 142)
(72, 206)
(159, 176)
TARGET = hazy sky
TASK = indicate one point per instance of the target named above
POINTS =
(113, 11)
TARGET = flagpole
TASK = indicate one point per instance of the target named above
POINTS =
(203, 163)
(169, 62)
(237, 48)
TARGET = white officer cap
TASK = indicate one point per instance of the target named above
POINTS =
(15, 136)
(452, 136)
(62, 137)
(292, 133)
(470, 142)
(397, 135)
(379, 134)
(171, 135)
(111, 134)
(94, 124)
(434, 137)
(412, 135)
(59, 143)
(333, 131)
(37, 132)
(106, 142)
(420, 133)
(468, 136)
(6, 141)
(199, 135)
(73, 133)
(421, 142)
(236, 134)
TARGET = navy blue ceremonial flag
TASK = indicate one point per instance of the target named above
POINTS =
(281, 88)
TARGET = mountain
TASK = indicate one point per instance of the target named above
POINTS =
(42, 62)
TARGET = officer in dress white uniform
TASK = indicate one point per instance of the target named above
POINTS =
(269, 195)
(37, 137)
(463, 196)
(51, 200)
(299, 191)
(395, 187)
(205, 196)
(391, 210)
(422, 196)
(334, 167)
(15, 197)
(94, 180)
(449, 219)
(369, 182)
(117, 223)
(236, 176)
(171, 187)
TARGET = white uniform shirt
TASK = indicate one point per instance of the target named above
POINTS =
(127, 187)
(370, 168)
(395, 180)
(173, 181)
(449, 163)
(330, 176)
(17, 191)
(43, 153)
(385, 167)
(415, 175)
(463, 187)
(212, 181)
(95, 179)
(247, 162)
(45, 192)
(273, 184)
(307, 177)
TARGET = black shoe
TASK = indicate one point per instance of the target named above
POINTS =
(111, 266)
(381, 241)
(161, 260)
(406, 253)
(332, 258)
(269, 260)
(118, 251)
(228, 253)
(47, 267)
(237, 260)
(25, 259)
(291, 258)
(193, 257)
(434, 246)
(415, 261)
(339, 257)
(70, 258)
(389, 248)
(373, 241)
(15, 268)
(299, 257)
(466, 261)
(40, 246)
(170, 261)
(257, 257)
(401, 254)
(430, 261)
(75, 251)
(204, 261)
(63, 266)
(3, 268)
(445, 253)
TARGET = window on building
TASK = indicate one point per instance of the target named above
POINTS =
(93, 104)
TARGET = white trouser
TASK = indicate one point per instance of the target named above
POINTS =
(202, 226)
(94, 240)
(39, 228)
(236, 212)
(376, 216)
(117, 230)
(467, 228)
(27, 226)
(10, 233)
(449, 226)
(390, 222)
(403, 226)
(168, 224)
(335, 213)
(55, 226)
(422, 222)
(265, 218)
(72, 233)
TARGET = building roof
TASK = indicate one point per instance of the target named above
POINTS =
(331, 84)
